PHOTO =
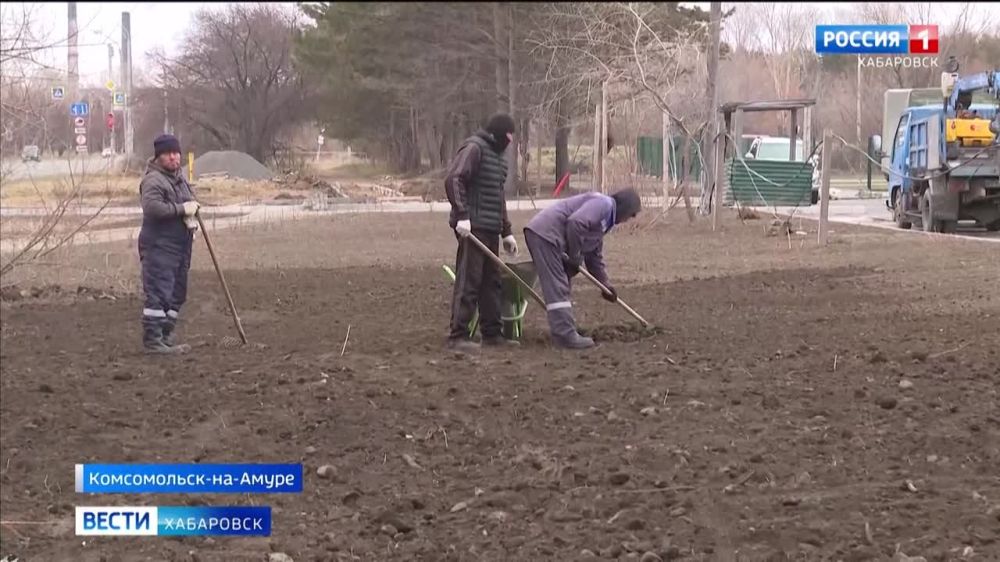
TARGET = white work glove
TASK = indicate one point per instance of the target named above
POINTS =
(510, 245)
(464, 228)
(191, 223)
(190, 208)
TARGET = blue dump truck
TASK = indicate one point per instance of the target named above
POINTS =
(944, 160)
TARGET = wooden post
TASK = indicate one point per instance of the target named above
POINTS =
(604, 136)
(539, 154)
(595, 184)
(720, 157)
(807, 138)
(666, 160)
(738, 133)
(824, 193)
(793, 129)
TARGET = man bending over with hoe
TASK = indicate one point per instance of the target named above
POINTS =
(565, 236)
(165, 243)
(474, 184)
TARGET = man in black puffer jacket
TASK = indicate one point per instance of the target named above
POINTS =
(475, 188)
(165, 244)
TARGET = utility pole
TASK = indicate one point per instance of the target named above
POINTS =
(166, 114)
(111, 57)
(709, 182)
(72, 70)
(73, 58)
(127, 83)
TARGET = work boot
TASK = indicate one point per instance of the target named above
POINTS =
(574, 341)
(499, 341)
(169, 333)
(463, 346)
(562, 328)
(152, 339)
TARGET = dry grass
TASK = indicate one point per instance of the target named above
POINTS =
(94, 189)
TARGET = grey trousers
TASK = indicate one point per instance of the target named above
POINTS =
(477, 284)
(555, 286)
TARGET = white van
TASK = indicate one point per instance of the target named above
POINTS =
(765, 147)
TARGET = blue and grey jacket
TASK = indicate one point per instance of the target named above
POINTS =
(576, 226)
(163, 195)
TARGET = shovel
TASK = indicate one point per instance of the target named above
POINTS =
(222, 279)
(496, 259)
(605, 290)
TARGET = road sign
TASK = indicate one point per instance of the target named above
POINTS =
(110, 85)
(80, 131)
(320, 140)
(81, 139)
(79, 122)
(81, 148)
(79, 109)
(119, 99)
(58, 93)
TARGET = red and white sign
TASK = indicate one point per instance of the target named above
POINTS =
(81, 139)
(923, 39)
(79, 122)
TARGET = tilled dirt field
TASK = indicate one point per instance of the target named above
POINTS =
(794, 404)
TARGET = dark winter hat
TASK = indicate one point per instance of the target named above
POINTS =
(166, 143)
(627, 205)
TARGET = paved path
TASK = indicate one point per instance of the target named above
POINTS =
(864, 212)
(873, 212)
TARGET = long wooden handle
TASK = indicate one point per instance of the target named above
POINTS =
(619, 301)
(222, 279)
(502, 265)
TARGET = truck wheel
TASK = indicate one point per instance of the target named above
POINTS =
(928, 221)
(927, 214)
(898, 213)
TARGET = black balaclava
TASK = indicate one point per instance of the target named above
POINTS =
(627, 205)
(498, 126)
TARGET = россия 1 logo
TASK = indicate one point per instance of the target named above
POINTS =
(876, 39)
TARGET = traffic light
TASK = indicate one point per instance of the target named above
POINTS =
(110, 120)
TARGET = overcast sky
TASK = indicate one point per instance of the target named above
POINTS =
(163, 25)
(154, 25)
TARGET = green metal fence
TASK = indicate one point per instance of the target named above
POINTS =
(650, 156)
(768, 182)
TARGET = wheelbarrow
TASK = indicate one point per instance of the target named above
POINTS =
(513, 298)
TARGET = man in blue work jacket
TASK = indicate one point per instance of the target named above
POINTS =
(165, 244)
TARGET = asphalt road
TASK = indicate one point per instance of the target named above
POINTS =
(49, 167)
(873, 212)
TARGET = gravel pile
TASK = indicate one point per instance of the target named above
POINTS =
(233, 163)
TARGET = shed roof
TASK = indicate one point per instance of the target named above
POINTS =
(766, 105)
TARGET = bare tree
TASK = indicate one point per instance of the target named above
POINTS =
(643, 50)
(53, 230)
(236, 76)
